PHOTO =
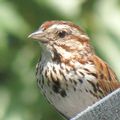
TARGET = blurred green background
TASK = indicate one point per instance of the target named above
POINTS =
(20, 99)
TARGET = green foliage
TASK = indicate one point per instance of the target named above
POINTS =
(20, 99)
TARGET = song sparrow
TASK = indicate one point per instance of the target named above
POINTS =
(69, 73)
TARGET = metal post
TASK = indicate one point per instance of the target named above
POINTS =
(107, 108)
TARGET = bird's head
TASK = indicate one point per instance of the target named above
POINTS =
(62, 36)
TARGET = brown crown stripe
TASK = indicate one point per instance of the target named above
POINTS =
(47, 24)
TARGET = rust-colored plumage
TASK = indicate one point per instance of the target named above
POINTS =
(107, 79)
(69, 73)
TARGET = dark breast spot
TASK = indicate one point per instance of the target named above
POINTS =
(46, 73)
(70, 80)
(52, 77)
(57, 83)
(86, 90)
(74, 88)
(59, 90)
(57, 56)
(93, 74)
(63, 93)
(41, 85)
(61, 73)
(94, 86)
(95, 95)
(67, 70)
(82, 74)
(54, 70)
(75, 82)
(86, 69)
(42, 79)
(80, 80)
(41, 82)
(55, 88)
(41, 69)
(66, 85)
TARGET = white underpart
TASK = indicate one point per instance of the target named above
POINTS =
(75, 101)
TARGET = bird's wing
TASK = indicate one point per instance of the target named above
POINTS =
(107, 80)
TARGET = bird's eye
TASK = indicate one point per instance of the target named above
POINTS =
(62, 34)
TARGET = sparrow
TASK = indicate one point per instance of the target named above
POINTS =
(70, 75)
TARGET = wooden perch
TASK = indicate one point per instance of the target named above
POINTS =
(107, 108)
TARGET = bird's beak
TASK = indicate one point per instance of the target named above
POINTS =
(39, 34)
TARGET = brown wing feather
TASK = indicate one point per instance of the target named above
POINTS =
(107, 80)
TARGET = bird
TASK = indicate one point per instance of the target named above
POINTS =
(69, 73)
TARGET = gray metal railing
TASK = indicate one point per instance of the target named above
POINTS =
(107, 108)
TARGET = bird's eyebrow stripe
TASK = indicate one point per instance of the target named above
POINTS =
(58, 26)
